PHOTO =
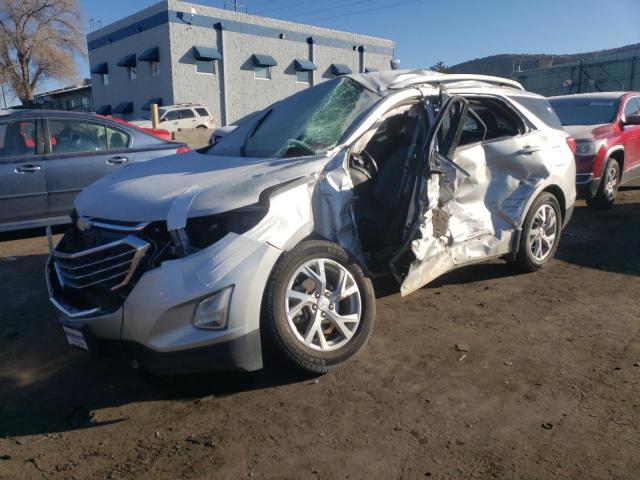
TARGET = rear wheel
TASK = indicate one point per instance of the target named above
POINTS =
(540, 233)
(606, 194)
(319, 307)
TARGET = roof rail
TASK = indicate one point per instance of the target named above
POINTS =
(452, 78)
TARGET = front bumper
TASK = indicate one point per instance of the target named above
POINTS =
(155, 327)
(586, 185)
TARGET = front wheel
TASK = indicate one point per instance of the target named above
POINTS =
(319, 307)
(608, 189)
(540, 233)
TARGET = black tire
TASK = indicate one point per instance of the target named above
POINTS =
(278, 333)
(608, 188)
(525, 259)
(201, 127)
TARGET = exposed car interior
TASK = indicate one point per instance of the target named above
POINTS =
(17, 138)
(488, 119)
(383, 168)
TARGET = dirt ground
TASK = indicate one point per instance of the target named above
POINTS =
(546, 385)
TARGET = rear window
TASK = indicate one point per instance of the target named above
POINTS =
(585, 110)
(187, 113)
(202, 112)
(541, 108)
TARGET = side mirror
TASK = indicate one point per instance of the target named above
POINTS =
(631, 120)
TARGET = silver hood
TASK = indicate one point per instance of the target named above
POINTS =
(188, 185)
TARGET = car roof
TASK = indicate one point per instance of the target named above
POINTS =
(386, 82)
(603, 95)
(20, 113)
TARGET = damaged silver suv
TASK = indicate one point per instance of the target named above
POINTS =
(273, 235)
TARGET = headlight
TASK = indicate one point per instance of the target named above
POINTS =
(589, 148)
(213, 312)
(205, 231)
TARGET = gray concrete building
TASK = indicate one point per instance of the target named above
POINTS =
(74, 98)
(233, 63)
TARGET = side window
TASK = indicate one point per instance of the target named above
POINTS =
(187, 113)
(17, 138)
(488, 119)
(632, 107)
(541, 108)
(172, 115)
(473, 130)
(117, 139)
(70, 136)
(202, 112)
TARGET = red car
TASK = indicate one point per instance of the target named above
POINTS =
(606, 127)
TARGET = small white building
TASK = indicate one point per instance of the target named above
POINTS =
(231, 62)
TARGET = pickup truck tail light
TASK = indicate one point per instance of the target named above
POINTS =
(572, 144)
(183, 150)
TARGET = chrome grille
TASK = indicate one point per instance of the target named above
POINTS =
(112, 264)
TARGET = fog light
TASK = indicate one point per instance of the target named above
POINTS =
(213, 312)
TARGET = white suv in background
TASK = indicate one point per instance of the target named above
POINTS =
(181, 117)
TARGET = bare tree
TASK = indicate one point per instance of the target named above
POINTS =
(38, 40)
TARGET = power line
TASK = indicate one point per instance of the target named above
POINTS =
(362, 11)
(304, 14)
(283, 7)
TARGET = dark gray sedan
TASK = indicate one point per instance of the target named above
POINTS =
(47, 157)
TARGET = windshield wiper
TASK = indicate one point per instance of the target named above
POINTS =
(252, 132)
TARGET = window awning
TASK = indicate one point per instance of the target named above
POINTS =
(124, 107)
(128, 61)
(371, 70)
(206, 53)
(147, 106)
(304, 65)
(151, 55)
(100, 69)
(263, 61)
(104, 110)
(340, 69)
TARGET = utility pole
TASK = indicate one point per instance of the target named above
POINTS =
(235, 5)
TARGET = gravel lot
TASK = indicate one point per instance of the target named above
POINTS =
(545, 383)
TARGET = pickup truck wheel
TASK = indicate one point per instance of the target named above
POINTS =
(606, 194)
(540, 233)
(319, 307)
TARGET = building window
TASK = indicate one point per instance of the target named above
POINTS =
(262, 73)
(304, 76)
(155, 68)
(132, 73)
(105, 79)
(205, 66)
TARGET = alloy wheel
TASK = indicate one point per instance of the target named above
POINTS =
(611, 181)
(323, 305)
(543, 232)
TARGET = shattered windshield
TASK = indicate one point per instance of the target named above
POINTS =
(310, 122)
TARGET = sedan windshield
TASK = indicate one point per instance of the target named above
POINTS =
(585, 110)
(310, 122)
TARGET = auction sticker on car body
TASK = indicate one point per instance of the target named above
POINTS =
(75, 337)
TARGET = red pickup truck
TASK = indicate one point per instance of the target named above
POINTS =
(606, 127)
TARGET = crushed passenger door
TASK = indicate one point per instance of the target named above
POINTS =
(426, 254)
